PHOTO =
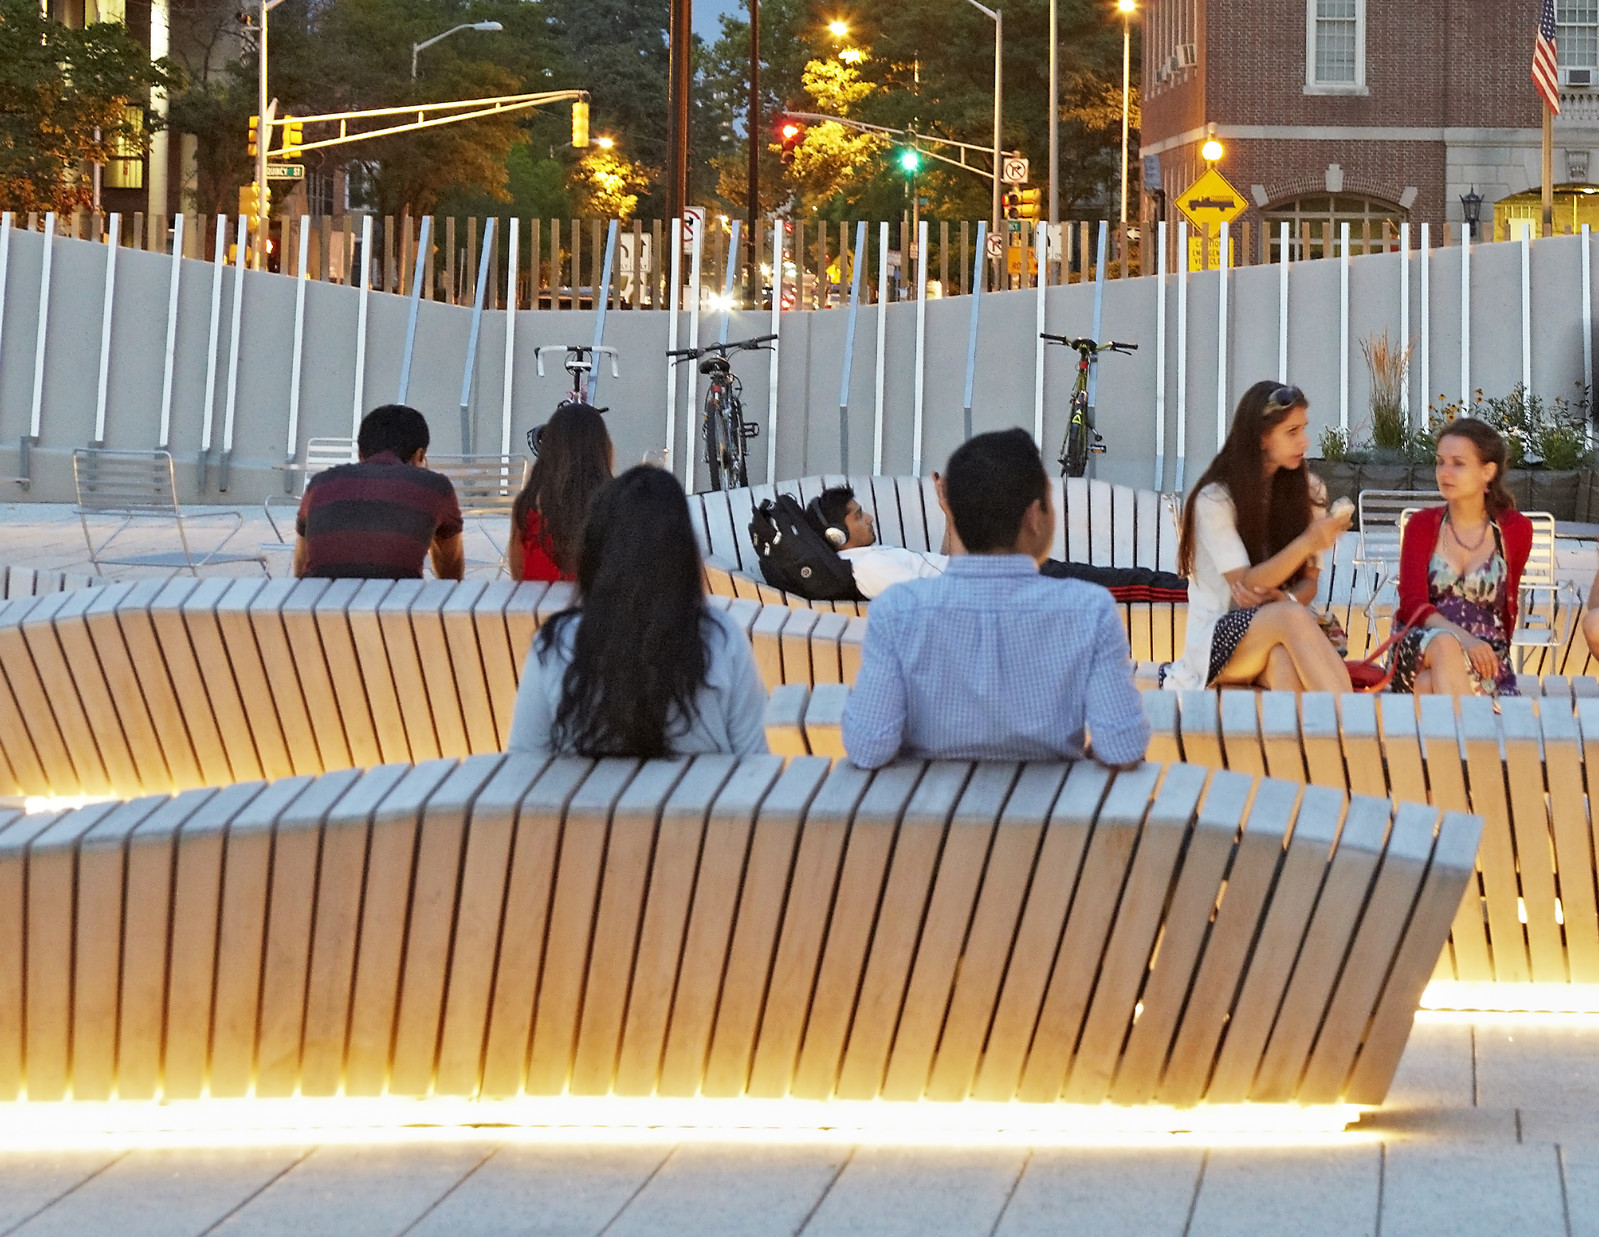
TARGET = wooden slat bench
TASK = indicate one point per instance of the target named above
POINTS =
(156, 686)
(725, 927)
(1530, 914)
(1096, 522)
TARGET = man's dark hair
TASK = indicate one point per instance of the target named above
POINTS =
(989, 484)
(834, 505)
(392, 427)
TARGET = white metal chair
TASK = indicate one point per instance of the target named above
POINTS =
(1382, 514)
(1537, 629)
(486, 486)
(127, 487)
(320, 455)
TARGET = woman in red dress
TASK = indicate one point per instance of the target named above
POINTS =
(575, 457)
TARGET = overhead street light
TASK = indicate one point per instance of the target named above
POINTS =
(1212, 151)
(838, 28)
(1126, 7)
(488, 27)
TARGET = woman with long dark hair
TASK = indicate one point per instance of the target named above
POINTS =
(574, 460)
(1253, 531)
(1460, 571)
(640, 666)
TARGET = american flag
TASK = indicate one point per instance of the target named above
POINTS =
(1544, 73)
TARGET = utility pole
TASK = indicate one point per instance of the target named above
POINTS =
(753, 121)
(680, 77)
(1054, 139)
(263, 139)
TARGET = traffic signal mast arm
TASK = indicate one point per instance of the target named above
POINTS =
(863, 127)
(481, 108)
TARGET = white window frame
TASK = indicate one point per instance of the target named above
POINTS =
(1561, 43)
(1312, 85)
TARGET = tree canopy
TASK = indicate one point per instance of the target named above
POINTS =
(68, 97)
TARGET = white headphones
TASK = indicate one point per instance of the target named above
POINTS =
(836, 535)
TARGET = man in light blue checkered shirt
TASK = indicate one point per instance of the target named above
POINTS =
(992, 661)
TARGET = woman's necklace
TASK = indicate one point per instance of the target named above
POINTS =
(1468, 547)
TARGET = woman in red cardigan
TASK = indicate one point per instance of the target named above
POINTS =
(1460, 573)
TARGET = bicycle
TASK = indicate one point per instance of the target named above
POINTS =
(1082, 439)
(724, 428)
(579, 364)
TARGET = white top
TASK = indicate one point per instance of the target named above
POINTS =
(730, 704)
(878, 566)
(1218, 549)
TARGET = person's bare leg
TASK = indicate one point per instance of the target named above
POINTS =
(1280, 675)
(1445, 664)
(1293, 628)
(1590, 631)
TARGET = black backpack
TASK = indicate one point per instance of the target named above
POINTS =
(794, 557)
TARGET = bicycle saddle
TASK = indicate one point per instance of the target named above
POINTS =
(714, 365)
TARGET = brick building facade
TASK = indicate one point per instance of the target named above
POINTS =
(1362, 111)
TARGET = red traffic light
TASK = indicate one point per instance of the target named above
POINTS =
(792, 132)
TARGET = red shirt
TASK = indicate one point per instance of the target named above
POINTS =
(538, 561)
(1415, 557)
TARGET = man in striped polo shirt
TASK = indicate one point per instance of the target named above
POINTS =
(378, 519)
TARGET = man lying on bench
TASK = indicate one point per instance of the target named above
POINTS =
(850, 529)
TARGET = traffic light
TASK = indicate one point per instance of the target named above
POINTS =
(792, 133)
(910, 160)
(249, 204)
(1022, 204)
(255, 125)
(580, 123)
(293, 136)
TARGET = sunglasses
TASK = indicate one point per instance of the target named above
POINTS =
(1287, 397)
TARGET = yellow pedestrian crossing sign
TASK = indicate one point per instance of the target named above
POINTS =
(1210, 201)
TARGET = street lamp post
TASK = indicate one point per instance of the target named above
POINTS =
(998, 19)
(488, 26)
(1054, 130)
(752, 205)
(1126, 7)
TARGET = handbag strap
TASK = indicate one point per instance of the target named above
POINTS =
(1400, 634)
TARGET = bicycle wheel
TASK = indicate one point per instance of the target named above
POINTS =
(1074, 459)
(738, 463)
(718, 459)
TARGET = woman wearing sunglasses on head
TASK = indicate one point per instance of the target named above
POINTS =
(574, 458)
(1253, 532)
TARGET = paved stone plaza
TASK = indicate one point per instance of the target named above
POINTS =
(1492, 1128)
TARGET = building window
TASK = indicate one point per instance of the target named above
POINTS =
(1335, 45)
(1315, 224)
(1577, 37)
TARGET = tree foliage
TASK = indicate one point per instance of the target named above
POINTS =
(929, 69)
(68, 97)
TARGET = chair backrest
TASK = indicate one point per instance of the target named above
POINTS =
(1382, 514)
(484, 484)
(124, 482)
(1540, 568)
(324, 453)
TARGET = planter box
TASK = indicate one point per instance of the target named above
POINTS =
(1567, 495)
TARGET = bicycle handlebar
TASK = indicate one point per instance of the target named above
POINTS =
(579, 352)
(1088, 345)
(685, 354)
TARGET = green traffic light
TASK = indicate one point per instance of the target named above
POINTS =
(910, 159)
